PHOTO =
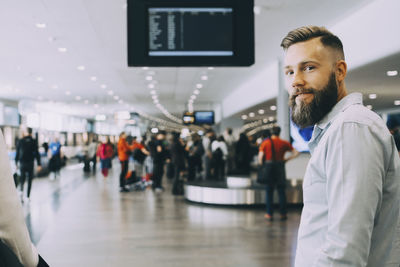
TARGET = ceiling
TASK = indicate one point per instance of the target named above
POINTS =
(72, 55)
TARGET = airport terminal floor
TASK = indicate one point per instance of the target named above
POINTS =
(83, 220)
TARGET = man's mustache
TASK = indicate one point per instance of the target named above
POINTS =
(299, 91)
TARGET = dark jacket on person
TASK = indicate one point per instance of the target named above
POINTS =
(178, 154)
(160, 157)
(27, 150)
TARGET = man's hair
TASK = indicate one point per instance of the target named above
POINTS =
(266, 133)
(276, 130)
(29, 131)
(306, 33)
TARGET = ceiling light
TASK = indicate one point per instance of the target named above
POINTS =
(150, 86)
(193, 97)
(149, 78)
(41, 25)
(204, 77)
(81, 68)
(78, 98)
(369, 106)
(96, 105)
(261, 111)
(62, 49)
(110, 92)
(251, 114)
(372, 96)
(93, 78)
(196, 92)
(86, 102)
(244, 117)
(265, 120)
(397, 102)
(67, 92)
(271, 118)
(154, 96)
(272, 107)
(121, 101)
(103, 86)
(116, 97)
(199, 85)
(392, 73)
(210, 68)
(39, 79)
(156, 101)
(153, 92)
(145, 68)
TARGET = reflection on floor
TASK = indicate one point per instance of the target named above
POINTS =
(81, 220)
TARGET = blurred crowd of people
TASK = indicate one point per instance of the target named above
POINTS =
(191, 158)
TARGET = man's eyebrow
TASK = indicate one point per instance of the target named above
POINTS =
(302, 63)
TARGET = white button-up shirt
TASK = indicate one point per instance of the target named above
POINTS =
(351, 191)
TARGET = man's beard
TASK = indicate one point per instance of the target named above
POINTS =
(324, 100)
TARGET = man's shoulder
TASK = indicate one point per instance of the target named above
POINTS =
(361, 115)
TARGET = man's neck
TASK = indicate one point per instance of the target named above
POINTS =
(342, 92)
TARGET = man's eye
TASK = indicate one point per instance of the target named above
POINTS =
(309, 68)
(288, 72)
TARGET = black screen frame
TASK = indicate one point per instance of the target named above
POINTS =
(243, 34)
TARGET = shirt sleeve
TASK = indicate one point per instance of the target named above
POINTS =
(355, 169)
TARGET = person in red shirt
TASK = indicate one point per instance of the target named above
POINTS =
(124, 151)
(105, 152)
(280, 147)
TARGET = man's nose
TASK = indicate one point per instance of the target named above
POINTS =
(298, 80)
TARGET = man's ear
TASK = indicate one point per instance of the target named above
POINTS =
(341, 70)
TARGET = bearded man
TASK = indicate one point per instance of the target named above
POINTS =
(351, 188)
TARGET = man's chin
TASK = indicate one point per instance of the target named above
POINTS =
(304, 99)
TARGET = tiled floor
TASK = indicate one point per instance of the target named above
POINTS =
(84, 221)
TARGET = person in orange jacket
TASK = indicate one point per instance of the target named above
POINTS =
(124, 151)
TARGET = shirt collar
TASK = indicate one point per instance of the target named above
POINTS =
(342, 105)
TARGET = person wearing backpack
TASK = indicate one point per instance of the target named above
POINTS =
(274, 149)
(219, 155)
(27, 152)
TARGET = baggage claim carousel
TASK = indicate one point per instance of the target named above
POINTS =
(238, 190)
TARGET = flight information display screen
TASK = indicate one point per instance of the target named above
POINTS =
(190, 31)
